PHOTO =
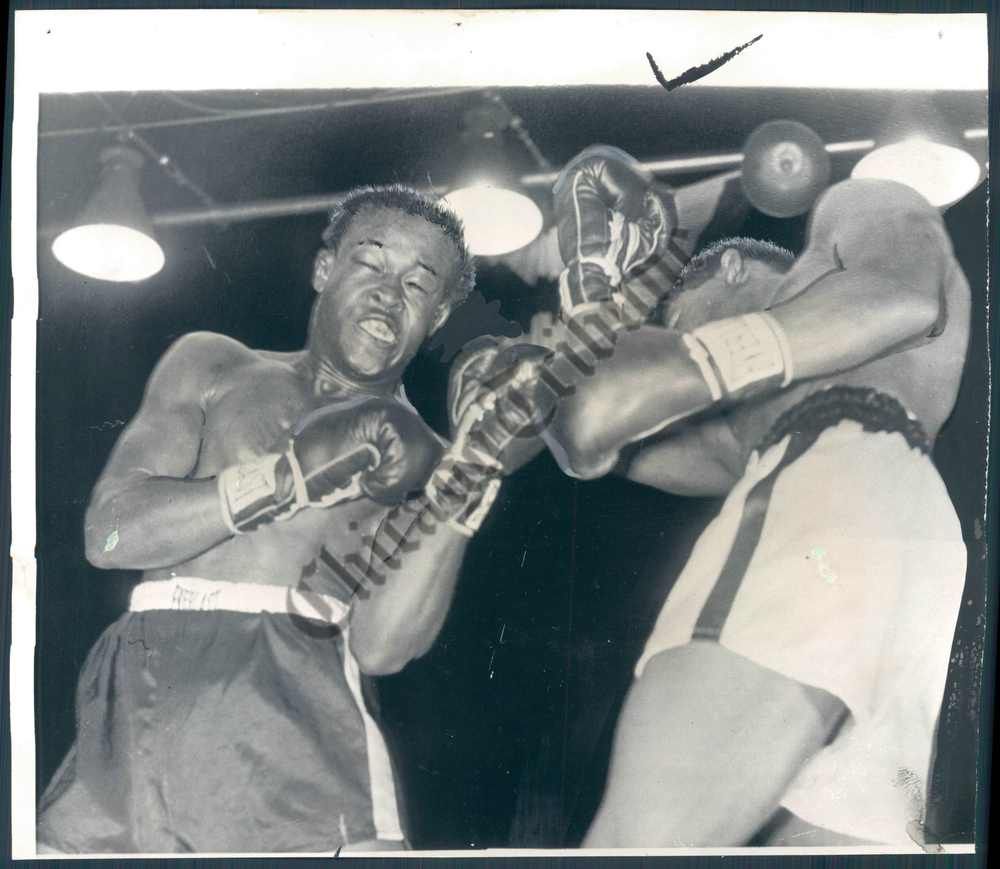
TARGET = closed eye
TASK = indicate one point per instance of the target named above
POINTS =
(369, 264)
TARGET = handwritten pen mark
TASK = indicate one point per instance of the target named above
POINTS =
(697, 72)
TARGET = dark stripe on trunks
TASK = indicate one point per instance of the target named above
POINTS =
(805, 422)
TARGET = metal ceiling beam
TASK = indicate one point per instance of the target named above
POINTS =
(298, 205)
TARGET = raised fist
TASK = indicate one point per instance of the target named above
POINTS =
(613, 223)
(497, 408)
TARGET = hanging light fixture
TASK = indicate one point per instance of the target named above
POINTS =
(113, 238)
(942, 173)
(498, 218)
(919, 148)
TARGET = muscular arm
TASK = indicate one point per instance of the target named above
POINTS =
(145, 512)
(403, 612)
(885, 297)
(417, 548)
(682, 463)
(647, 386)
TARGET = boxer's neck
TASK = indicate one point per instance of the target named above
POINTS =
(325, 379)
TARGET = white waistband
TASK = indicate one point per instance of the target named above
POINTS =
(193, 593)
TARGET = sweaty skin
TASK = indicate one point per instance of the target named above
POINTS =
(878, 300)
(877, 226)
(212, 402)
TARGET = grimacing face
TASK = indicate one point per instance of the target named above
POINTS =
(381, 293)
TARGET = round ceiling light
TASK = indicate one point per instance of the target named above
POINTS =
(109, 252)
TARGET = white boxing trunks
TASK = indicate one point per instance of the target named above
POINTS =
(853, 587)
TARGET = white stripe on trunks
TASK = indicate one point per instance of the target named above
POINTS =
(385, 813)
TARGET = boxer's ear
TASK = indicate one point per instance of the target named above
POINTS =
(440, 316)
(322, 267)
(733, 267)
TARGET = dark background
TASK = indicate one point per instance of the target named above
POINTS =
(502, 731)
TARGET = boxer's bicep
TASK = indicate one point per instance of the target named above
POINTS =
(164, 438)
(161, 441)
(881, 293)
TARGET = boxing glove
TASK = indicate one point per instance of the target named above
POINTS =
(512, 406)
(372, 446)
(496, 414)
(613, 222)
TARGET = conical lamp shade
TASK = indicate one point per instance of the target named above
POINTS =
(113, 238)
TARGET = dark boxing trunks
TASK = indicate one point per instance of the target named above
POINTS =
(206, 731)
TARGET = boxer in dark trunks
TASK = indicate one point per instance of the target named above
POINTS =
(224, 711)
(789, 691)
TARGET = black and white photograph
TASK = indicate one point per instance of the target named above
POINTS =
(499, 432)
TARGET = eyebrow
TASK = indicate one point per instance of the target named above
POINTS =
(376, 243)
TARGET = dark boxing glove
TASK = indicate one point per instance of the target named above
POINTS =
(496, 416)
(374, 447)
(613, 222)
(498, 382)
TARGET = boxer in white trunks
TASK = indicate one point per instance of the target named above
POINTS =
(789, 691)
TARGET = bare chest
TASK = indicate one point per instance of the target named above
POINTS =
(252, 412)
(255, 411)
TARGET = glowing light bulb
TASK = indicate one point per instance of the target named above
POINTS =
(109, 252)
(497, 220)
(941, 173)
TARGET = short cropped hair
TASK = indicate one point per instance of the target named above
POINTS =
(705, 263)
(398, 197)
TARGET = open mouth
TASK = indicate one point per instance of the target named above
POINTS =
(380, 330)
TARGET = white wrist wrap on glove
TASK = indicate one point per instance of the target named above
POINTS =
(468, 522)
(737, 353)
(475, 501)
(247, 490)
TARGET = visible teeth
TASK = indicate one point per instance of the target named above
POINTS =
(379, 331)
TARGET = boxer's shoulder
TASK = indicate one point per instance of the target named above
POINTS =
(208, 352)
(209, 348)
(198, 359)
(872, 209)
(855, 197)
(874, 219)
